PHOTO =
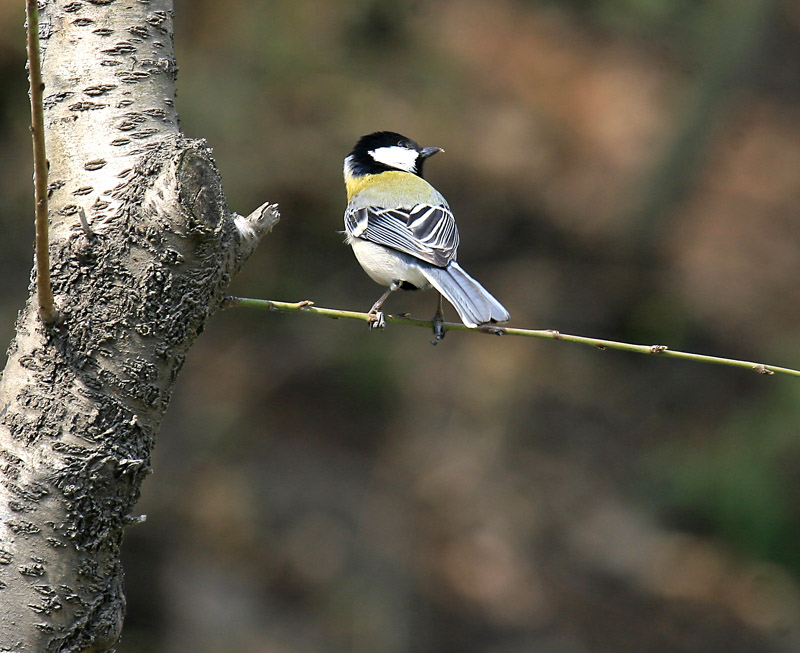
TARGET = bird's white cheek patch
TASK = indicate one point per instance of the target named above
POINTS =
(396, 157)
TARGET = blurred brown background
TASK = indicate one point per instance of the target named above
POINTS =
(625, 169)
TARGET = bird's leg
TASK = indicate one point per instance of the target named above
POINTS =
(376, 319)
(438, 323)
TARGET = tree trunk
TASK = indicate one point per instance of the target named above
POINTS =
(142, 248)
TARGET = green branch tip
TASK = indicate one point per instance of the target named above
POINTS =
(307, 306)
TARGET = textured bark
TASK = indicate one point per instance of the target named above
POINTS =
(142, 248)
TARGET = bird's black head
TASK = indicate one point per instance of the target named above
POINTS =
(382, 151)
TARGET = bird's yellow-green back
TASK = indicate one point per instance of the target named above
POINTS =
(385, 188)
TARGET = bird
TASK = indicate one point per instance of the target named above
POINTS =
(403, 233)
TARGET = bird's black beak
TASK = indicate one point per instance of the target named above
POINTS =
(425, 152)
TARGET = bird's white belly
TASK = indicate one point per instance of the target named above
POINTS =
(385, 265)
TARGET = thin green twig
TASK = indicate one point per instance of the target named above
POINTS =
(44, 291)
(658, 350)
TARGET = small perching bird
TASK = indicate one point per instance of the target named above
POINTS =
(402, 230)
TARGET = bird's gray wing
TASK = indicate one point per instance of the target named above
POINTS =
(425, 231)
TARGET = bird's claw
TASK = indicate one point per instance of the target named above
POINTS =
(439, 331)
(377, 320)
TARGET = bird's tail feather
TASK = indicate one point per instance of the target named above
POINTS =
(474, 304)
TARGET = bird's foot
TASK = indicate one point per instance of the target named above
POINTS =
(376, 320)
(439, 331)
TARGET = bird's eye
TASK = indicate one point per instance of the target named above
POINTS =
(405, 144)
